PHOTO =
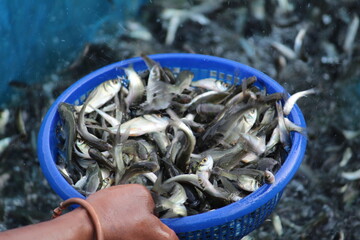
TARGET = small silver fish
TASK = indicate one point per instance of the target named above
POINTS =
(290, 102)
(211, 84)
(244, 125)
(143, 125)
(283, 132)
(157, 92)
(102, 94)
(67, 114)
(183, 157)
(83, 131)
(185, 178)
(81, 149)
(113, 121)
(277, 225)
(4, 143)
(248, 183)
(4, 119)
(206, 164)
(253, 143)
(89, 183)
(137, 169)
(351, 176)
(299, 39)
(274, 139)
(284, 50)
(290, 126)
(183, 81)
(351, 34)
(210, 188)
(136, 87)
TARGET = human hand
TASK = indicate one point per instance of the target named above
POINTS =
(126, 212)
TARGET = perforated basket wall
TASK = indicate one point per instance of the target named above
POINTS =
(235, 229)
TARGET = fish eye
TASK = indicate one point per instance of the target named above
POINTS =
(219, 82)
(269, 177)
(203, 160)
(201, 182)
(222, 83)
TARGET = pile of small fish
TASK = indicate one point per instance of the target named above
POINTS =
(197, 145)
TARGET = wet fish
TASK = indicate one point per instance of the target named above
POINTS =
(350, 135)
(4, 143)
(290, 126)
(168, 208)
(277, 225)
(168, 78)
(162, 141)
(89, 183)
(351, 34)
(299, 39)
(211, 84)
(67, 114)
(82, 129)
(209, 109)
(224, 127)
(137, 169)
(244, 125)
(351, 176)
(290, 102)
(208, 97)
(101, 159)
(205, 165)
(283, 132)
(186, 178)
(143, 125)
(4, 119)
(219, 195)
(102, 94)
(284, 50)
(20, 123)
(113, 121)
(62, 169)
(136, 87)
(268, 116)
(274, 139)
(245, 182)
(82, 149)
(117, 154)
(183, 158)
(183, 81)
(253, 143)
(157, 94)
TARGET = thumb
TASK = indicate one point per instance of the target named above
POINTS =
(165, 233)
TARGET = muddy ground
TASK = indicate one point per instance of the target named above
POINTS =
(301, 45)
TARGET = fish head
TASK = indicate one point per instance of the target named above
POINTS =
(155, 72)
(206, 164)
(113, 85)
(221, 86)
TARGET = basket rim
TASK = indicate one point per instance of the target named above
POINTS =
(200, 221)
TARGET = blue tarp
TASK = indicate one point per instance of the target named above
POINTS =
(36, 37)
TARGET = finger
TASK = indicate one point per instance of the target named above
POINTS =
(171, 234)
(164, 232)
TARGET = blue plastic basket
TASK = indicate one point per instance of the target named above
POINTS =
(230, 222)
